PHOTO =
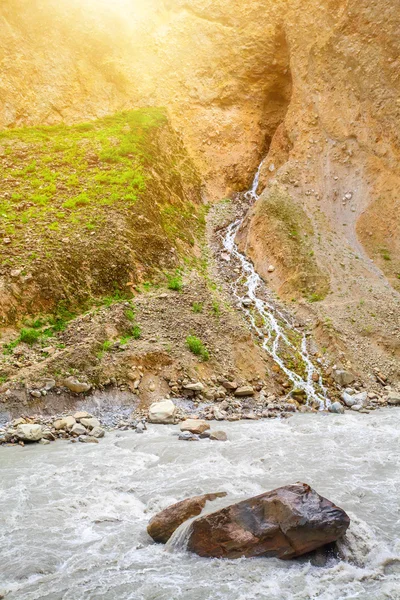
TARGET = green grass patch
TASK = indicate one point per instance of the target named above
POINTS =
(105, 347)
(197, 307)
(215, 307)
(114, 298)
(197, 347)
(130, 314)
(385, 254)
(174, 282)
(29, 336)
(315, 297)
(136, 332)
(106, 158)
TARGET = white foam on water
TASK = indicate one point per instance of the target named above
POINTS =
(73, 518)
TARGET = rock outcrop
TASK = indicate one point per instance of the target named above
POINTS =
(285, 523)
(163, 524)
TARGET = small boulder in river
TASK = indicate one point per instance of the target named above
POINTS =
(164, 523)
(337, 408)
(29, 433)
(348, 399)
(195, 425)
(187, 436)
(394, 398)
(162, 412)
(68, 423)
(90, 423)
(78, 429)
(97, 432)
(218, 436)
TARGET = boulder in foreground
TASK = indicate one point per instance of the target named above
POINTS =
(284, 523)
(164, 523)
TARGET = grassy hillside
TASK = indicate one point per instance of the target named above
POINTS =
(91, 208)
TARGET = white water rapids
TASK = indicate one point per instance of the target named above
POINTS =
(73, 517)
(277, 331)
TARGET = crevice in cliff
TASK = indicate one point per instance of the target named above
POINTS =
(275, 144)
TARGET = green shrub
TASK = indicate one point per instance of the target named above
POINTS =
(197, 347)
(29, 336)
(216, 308)
(197, 307)
(136, 332)
(130, 314)
(105, 347)
(174, 282)
(315, 298)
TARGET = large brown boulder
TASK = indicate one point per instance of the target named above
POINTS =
(284, 523)
(164, 523)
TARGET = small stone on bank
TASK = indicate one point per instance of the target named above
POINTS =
(337, 408)
(162, 412)
(97, 432)
(194, 387)
(76, 386)
(90, 423)
(29, 433)
(78, 429)
(245, 390)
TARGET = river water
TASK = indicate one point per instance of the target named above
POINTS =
(73, 516)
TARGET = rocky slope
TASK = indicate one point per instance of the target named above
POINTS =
(311, 88)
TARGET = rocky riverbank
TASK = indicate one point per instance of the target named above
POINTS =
(192, 404)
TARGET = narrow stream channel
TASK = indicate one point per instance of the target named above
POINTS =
(270, 323)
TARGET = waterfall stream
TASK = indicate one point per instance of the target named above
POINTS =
(270, 323)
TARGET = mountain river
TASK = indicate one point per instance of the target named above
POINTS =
(73, 517)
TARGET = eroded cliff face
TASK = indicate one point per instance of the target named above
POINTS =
(313, 85)
(336, 158)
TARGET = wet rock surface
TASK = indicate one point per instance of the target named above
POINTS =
(284, 523)
(163, 525)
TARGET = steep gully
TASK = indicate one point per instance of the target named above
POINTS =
(275, 328)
